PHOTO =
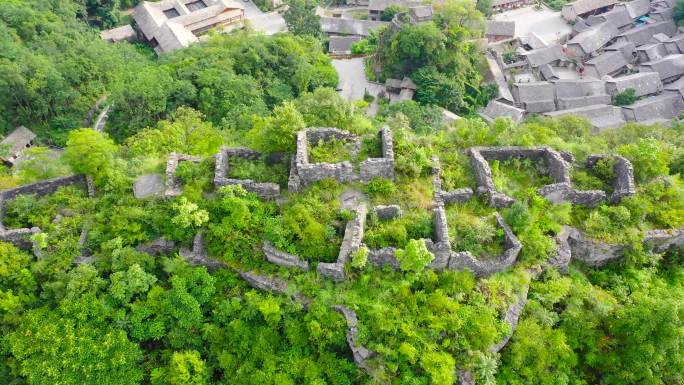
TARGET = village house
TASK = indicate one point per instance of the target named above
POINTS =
(377, 7)
(504, 5)
(16, 142)
(335, 26)
(498, 30)
(168, 25)
(584, 8)
(341, 45)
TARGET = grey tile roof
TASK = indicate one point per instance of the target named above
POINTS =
(500, 28)
(573, 88)
(336, 25)
(643, 83)
(581, 7)
(535, 96)
(667, 68)
(618, 16)
(496, 109)
(548, 73)
(664, 106)
(18, 140)
(497, 74)
(660, 38)
(675, 44)
(627, 48)
(123, 33)
(607, 63)
(533, 40)
(381, 5)
(592, 39)
(643, 33)
(582, 101)
(177, 32)
(546, 55)
(601, 116)
(635, 8)
(342, 44)
(651, 51)
(421, 12)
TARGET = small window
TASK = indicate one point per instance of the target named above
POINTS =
(195, 5)
(171, 13)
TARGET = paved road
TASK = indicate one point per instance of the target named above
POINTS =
(353, 82)
(268, 23)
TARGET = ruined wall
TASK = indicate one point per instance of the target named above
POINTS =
(353, 237)
(44, 187)
(623, 184)
(283, 259)
(380, 167)
(360, 353)
(222, 168)
(174, 184)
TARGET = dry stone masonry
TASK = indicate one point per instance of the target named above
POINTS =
(197, 256)
(361, 354)
(353, 236)
(304, 173)
(262, 190)
(174, 184)
(558, 168)
(284, 259)
(380, 167)
(623, 184)
(21, 238)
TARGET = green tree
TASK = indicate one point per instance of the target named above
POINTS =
(185, 368)
(278, 132)
(301, 18)
(390, 11)
(625, 97)
(415, 256)
(678, 12)
(90, 152)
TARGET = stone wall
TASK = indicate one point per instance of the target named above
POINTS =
(384, 257)
(353, 236)
(447, 197)
(283, 259)
(21, 238)
(563, 192)
(361, 353)
(44, 187)
(304, 173)
(465, 260)
(623, 183)
(262, 190)
(174, 184)
(198, 255)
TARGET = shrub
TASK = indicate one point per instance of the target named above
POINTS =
(625, 97)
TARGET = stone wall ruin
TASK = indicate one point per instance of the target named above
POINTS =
(304, 173)
(353, 236)
(262, 190)
(174, 184)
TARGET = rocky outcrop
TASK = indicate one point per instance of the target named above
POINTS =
(385, 213)
(353, 236)
(157, 247)
(361, 354)
(262, 190)
(174, 184)
(284, 259)
(150, 185)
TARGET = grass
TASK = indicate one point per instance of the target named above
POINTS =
(472, 228)
(513, 177)
(332, 151)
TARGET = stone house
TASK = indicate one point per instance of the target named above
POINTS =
(643, 83)
(349, 27)
(377, 7)
(590, 40)
(16, 142)
(420, 14)
(168, 25)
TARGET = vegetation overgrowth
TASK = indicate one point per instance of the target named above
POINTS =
(132, 318)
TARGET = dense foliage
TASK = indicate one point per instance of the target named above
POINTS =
(128, 317)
